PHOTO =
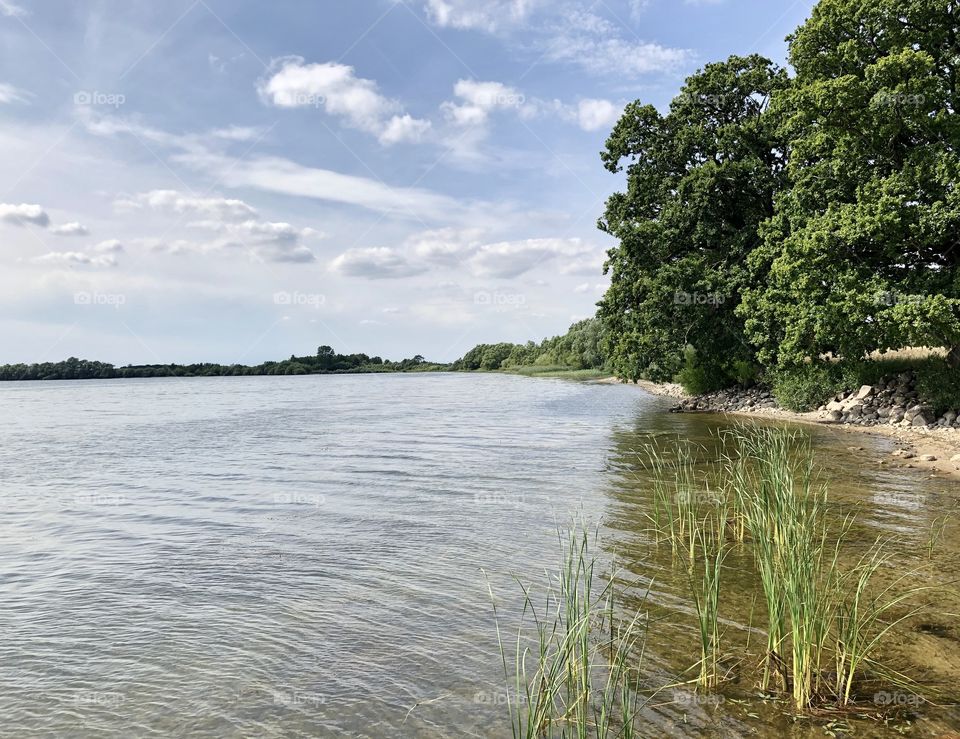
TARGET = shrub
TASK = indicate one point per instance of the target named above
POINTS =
(699, 376)
(805, 387)
(939, 385)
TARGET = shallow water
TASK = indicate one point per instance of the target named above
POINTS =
(308, 556)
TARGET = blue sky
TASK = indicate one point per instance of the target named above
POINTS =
(205, 180)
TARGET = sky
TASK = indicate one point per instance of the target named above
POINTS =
(207, 180)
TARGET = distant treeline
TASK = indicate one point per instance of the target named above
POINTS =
(579, 348)
(325, 361)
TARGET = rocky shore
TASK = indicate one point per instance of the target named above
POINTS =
(891, 408)
(892, 401)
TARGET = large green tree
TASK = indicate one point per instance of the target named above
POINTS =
(862, 253)
(699, 181)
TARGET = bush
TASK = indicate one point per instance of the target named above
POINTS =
(699, 377)
(804, 388)
(939, 385)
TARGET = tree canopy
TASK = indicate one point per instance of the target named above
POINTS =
(699, 181)
(777, 220)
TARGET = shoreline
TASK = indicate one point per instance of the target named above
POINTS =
(914, 445)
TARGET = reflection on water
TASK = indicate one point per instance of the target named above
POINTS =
(305, 556)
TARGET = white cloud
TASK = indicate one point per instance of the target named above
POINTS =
(11, 9)
(184, 204)
(404, 128)
(447, 246)
(374, 263)
(107, 247)
(479, 99)
(11, 94)
(234, 220)
(73, 258)
(589, 264)
(508, 259)
(336, 88)
(272, 241)
(593, 114)
(273, 174)
(485, 15)
(23, 214)
(596, 44)
(70, 229)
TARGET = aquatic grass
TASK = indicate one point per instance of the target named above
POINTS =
(571, 682)
(936, 533)
(860, 624)
(706, 596)
(814, 606)
(677, 498)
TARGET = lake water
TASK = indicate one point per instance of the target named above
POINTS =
(309, 556)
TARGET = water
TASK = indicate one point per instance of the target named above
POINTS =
(309, 556)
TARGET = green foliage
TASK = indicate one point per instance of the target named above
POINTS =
(939, 385)
(326, 361)
(861, 253)
(578, 349)
(699, 377)
(700, 180)
(804, 387)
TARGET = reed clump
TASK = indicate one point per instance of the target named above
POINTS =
(820, 613)
(579, 674)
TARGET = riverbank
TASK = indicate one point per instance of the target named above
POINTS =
(932, 451)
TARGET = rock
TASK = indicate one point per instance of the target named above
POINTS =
(903, 454)
(927, 458)
(920, 420)
(865, 391)
(955, 458)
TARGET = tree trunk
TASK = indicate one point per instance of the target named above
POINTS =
(953, 357)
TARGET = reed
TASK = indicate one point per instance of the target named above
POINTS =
(817, 611)
(706, 597)
(678, 495)
(571, 681)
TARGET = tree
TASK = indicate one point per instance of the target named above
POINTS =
(861, 253)
(699, 182)
(326, 357)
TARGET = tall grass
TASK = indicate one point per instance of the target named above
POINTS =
(677, 495)
(818, 612)
(579, 675)
(706, 597)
